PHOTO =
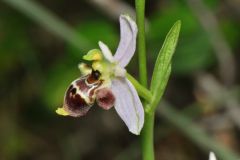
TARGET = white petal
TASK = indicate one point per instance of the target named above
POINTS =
(128, 104)
(212, 156)
(106, 51)
(127, 44)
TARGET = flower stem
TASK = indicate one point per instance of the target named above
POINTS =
(142, 91)
(147, 132)
(147, 137)
(141, 45)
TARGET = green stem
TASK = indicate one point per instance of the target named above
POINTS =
(147, 132)
(142, 91)
(141, 45)
(147, 137)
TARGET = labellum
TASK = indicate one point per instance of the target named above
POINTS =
(81, 94)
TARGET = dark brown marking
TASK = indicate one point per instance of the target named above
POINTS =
(82, 85)
(75, 104)
(93, 77)
(73, 91)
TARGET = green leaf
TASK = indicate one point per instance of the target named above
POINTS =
(159, 90)
(165, 56)
(162, 67)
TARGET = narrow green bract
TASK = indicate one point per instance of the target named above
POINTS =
(162, 67)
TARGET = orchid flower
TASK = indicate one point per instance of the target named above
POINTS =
(112, 87)
(212, 156)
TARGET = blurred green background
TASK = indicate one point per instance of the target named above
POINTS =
(39, 57)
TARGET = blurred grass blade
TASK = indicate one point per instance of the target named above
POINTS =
(195, 133)
(51, 22)
(162, 67)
